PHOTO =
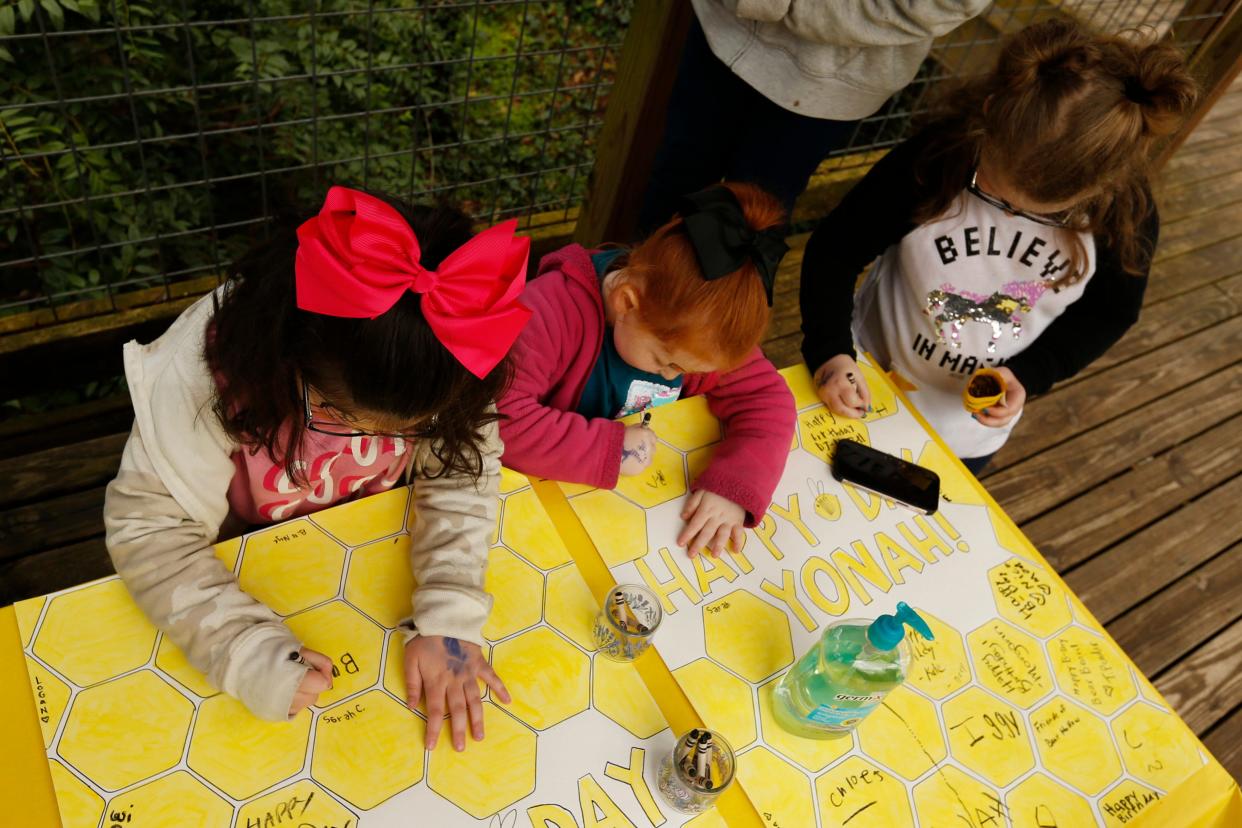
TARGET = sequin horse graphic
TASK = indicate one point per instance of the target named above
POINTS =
(1002, 308)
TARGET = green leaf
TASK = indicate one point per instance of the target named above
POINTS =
(8, 20)
(55, 13)
(26, 9)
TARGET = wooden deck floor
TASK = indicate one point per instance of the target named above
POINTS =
(1128, 477)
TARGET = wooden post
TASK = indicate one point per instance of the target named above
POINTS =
(1215, 64)
(634, 122)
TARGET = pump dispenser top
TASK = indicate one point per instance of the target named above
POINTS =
(887, 631)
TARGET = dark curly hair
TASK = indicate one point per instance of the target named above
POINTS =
(262, 343)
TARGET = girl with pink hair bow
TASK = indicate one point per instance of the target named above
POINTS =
(360, 349)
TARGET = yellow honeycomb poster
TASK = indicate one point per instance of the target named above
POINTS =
(135, 737)
(1021, 712)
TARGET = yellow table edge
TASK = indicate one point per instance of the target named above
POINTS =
(24, 783)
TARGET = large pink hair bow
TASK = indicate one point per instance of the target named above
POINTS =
(359, 256)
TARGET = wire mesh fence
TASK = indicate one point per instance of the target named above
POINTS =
(145, 144)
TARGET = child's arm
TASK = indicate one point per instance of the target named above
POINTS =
(874, 215)
(453, 522)
(1108, 307)
(546, 442)
(757, 411)
(166, 560)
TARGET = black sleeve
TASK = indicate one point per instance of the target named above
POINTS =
(874, 215)
(1109, 305)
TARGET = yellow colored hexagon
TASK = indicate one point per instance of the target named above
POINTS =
(517, 592)
(1009, 662)
(940, 666)
(50, 697)
(1157, 747)
(76, 802)
(511, 481)
(1091, 669)
(227, 551)
(662, 481)
(173, 663)
(27, 617)
(686, 426)
(819, 430)
(242, 755)
(618, 527)
(311, 803)
(1030, 596)
(528, 531)
(903, 733)
(748, 635)
(812, 754)
(367, 519)
(801, 384)
(956, 485)
(354, 643)
(175, 799)
(482, 782)
(698, 460)
(780, 792)
(861, 795)
(988, 736)
(951, 797)
(368, 749)
(1040, 802)
(1074, 746)
(619, 693)
(107, 721)
(116, 639)
(722, 700)
(549, 678)
(570, 606)
(1009, 537)
(379, 581)
(1126, 801)
(291, 566)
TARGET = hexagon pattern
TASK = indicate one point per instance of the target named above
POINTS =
(1009, 663)
(975, 736)
(748, 635)
(483, 782)
(105, 724)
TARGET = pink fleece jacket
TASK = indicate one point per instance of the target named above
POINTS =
(545, 436)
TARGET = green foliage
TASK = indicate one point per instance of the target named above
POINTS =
(243, 114)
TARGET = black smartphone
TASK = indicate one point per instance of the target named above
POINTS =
(908, 484)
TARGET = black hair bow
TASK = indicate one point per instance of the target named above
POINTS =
(724, 242)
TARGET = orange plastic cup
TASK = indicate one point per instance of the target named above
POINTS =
(985, 389)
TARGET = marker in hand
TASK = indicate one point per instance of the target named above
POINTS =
(646, 423)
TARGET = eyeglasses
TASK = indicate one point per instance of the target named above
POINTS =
(333, 429)
(1060, 219)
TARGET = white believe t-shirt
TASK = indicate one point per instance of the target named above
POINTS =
(963, 292)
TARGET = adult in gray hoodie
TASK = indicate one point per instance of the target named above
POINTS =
(767, 88)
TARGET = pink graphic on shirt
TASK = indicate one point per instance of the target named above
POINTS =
(336, 469)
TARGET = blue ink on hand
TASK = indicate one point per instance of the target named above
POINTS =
(456, 655)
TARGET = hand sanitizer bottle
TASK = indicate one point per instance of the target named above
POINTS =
(846, 674)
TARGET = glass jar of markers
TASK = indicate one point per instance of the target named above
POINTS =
(699, 769)
(627, 622)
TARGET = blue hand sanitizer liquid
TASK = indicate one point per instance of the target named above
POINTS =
(849, 671)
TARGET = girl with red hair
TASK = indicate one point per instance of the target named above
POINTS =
(616, 332)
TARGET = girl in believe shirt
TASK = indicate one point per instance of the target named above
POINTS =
(366, 347)
(1014, 231)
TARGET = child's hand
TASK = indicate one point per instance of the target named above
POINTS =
(317, 679)
(842, 387)
(637, 449)
(447, 671)
(1003, 412)
(711, 521)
